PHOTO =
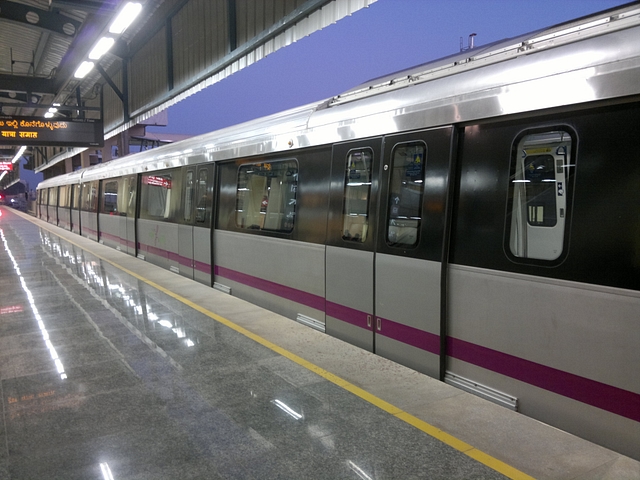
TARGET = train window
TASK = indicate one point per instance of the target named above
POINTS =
(90, 197)
(266, 196)
(64, 196)
(53, 196)
(203, 209)
(357, 189)
(43, 196)
(76, 197)
(160, 197)
(540, 170)
(130, 195)
(155, 196)
(405, 194)
(189, 192)
(110, 197)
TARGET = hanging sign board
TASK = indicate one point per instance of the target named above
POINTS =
(51, 132)
(6, 166)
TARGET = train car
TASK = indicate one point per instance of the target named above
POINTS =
(476, 218)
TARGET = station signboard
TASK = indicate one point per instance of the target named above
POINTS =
(50, 132)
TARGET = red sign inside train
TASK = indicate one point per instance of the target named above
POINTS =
(6, 166)
(157, 181)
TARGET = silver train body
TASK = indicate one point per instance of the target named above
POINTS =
(476, 218)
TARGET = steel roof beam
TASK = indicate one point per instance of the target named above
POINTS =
(35, 17)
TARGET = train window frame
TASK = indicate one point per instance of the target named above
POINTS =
(353, 215)
(108, 191)
(525, 220)
(260, 213)
(393, 226)
(89, 201)
(170, 180)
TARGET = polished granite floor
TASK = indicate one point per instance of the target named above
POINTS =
(105, 377)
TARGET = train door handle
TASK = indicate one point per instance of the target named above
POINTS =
(378, 324)
(369, 322)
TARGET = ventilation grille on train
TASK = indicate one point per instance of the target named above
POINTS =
(310, 322)
(483, 391)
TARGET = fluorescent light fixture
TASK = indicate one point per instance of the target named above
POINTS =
(19, 154)
(48, 115)
(102, 47)
(125, 18)
(83, 69)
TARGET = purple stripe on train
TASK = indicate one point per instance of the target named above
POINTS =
(293, 294)
(590, 392)
(596, 394)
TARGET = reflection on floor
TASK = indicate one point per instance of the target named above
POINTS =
(104, 377)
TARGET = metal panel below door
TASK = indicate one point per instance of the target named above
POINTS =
(349, 307)
(408, 312)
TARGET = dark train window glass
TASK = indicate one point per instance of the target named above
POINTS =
(189, 192)
(203, 208)
(357, 189)
(266, 196)
(110, 197)
(538, 193)
(405, 194)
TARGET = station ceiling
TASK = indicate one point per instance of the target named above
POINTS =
(173, 49)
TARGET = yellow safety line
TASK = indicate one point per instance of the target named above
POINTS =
(491, 462)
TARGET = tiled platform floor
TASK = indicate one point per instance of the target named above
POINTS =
(103, 374)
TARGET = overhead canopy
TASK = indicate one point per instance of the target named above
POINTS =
(173, 49)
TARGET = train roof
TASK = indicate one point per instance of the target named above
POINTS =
(586, 60)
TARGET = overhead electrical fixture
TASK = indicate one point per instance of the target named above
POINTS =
(125, 18)
(84, 68)
(102, 47)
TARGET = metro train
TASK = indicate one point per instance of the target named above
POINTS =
(476, 218)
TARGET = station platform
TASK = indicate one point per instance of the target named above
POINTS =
(113, 368)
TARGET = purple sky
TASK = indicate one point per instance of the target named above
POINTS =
(388, 36)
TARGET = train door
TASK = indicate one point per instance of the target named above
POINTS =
(194, 230)
(350, 251)
(128, 222)
(202, 232)
(408, 255)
